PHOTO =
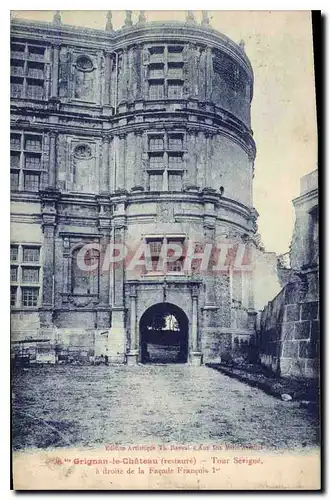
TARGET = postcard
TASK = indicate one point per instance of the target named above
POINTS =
(164, 251)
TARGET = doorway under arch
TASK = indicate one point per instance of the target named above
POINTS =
(164, 334)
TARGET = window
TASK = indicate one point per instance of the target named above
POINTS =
(175, 161)
(33, 143)
(17, 69)
(27, 77)
(13, 273)
(156, 161)
(176, 142)
(31, 182)
(168, 156)
(16, 89)
(14, 181)
(30, 274)
(156, 71)
(31, 254)
(25, 161)
(33, 162)
(13, 294)
(25, 277)
(156, 91)
(15, 160)
(175, 70)
(175, 267)
(35, 91)
(13, 253)
(156, 143)
(155, 182)
(15, 141)
(164, 244)
(30, 297)
(175, 182)
(175, 90)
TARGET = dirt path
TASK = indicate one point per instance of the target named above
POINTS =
(89, 406)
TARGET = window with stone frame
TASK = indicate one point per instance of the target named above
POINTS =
(160, 244)
(156, 91)
(165, 161)
(30, 297)
(26, 163)
(85, 282)
(25, 275)
(175, 89)
(27, 70)
(13, 295)
(165, 72)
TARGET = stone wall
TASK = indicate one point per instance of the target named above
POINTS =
(289, 329)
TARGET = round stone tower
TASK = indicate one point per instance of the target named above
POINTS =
(184, 154)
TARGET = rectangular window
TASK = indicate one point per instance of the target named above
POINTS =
(30, 275)
(13, 273)
(175, 72)
(175, 267)
(156, 71)
(175, 182)
(156, 91)
(36, 53)
(17, 69)
(156, 161)
(175, 91)
(14, 181)
(31, 254)
(31, 182)
(156, 143)
(13, 294)
(13, 253)
(35, 91)
(36, 72)
(155, 182)
(33, 162)
(15, 160)
(175, 161)
(155, 248)
(33, 143)
(16, 89)
(176, 142)
(15, 141)
(30, 297)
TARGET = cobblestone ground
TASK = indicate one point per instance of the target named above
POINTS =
(90, 406)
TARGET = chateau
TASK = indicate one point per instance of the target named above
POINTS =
(142, 134)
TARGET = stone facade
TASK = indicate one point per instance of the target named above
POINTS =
(289, 325)
(138, 134)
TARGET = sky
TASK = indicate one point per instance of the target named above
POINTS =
(279, 46)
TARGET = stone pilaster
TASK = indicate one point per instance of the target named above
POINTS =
(107, 79)
(117, 334)
(52, 161)
(138, 161)
(55, 70)
(120, 162)
(103, 310)
(192, 156)
(195, 353)
(49, 221)
(209, 74)
(133, 354)
(105, 169)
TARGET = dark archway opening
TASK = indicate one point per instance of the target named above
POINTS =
(164, 334)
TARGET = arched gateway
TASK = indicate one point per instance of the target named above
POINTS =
(164, 334)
